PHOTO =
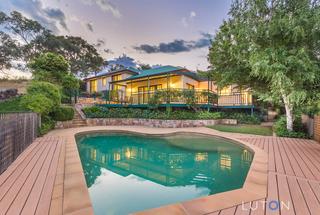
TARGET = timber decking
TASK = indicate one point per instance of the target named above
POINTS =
(26, 187)
(37, 183)
(293, 176)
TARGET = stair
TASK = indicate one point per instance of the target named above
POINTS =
(77, 120)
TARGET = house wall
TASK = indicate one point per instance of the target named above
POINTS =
(101, 86)
(88, 86)
(187, 80)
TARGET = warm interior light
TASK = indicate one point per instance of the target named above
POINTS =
(201, 156)
(128, 154)
(172, 85)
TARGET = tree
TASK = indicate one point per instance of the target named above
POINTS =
(34, 39)
(9, 51)
(82, 56)
(70, 86)
(48, 90)
(49, 67)
(143, 66)
(271, 46)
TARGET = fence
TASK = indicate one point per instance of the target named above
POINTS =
(17, 132)
(317, 128)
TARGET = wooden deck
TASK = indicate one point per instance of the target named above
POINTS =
(293, 177)
(34, 183)
(27, 186)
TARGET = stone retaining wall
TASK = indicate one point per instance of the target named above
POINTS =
(157, 123)
(64, 124)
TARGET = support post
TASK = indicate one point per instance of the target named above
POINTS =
(208, 102)
(168, 92)
(251, 110)
(109, 94)
(131, 99)
(148, 89)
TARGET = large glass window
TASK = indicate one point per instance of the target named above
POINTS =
(116, 77)
(93, 86)
(226, 91)
(104, 82)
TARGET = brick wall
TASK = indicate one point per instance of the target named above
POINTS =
(317, 128)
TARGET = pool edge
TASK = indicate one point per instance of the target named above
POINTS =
(254, 188)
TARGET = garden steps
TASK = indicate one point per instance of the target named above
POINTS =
(78, 121)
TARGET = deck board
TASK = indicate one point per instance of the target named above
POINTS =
(22, 183)
(293, 176)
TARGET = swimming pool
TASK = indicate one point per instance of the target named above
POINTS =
(127, 172)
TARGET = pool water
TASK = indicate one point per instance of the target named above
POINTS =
(127, 173)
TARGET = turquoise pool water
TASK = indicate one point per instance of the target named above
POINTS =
(126, 173)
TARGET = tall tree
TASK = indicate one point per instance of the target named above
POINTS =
(49, 67)
(35, 39)
(273, 47)
(9, 51)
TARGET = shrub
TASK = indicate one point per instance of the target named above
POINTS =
(49, 67)
(47, 124)
(37, 103)
(210, 115)
(63, 114)
(47, 89)
(244, 118)
(12, 105)
(102, 112)
(280, 128)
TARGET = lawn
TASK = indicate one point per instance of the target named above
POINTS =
(244, 129)
(12, 105)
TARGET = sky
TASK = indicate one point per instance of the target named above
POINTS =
(166, 32)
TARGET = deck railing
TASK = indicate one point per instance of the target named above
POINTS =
(241, 99)
(163, 96)
(172, 96)
(17, 132)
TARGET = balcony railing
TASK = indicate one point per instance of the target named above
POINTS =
(164, 96)
(171, 96)
(241, 99)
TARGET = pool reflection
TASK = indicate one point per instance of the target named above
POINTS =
(165, 162)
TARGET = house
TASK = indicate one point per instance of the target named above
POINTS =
(171, 85)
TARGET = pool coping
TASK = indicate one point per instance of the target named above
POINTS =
(76, 197)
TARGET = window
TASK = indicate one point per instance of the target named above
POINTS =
(116, 87)
(93, 86)
(190, 86)
(104, 82)
(143, 92)
(226, 91)
(116, 77)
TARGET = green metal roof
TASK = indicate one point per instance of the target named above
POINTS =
(155, 71)
(164, 70)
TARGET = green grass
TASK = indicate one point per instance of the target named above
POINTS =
(244, 129)
(12, 105)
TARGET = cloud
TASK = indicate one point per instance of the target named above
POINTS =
(105, 6)
(100, 42)
(184, 22)
(89, 26)
(187, 20)
(177, 45)
(100, 45)
(58, 15)
(193, 14)
(108, 51)
(49, 17)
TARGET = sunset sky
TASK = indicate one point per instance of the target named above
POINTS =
(167, 32)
